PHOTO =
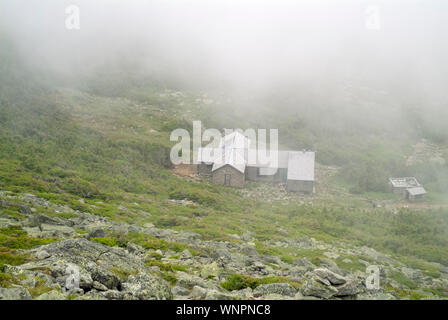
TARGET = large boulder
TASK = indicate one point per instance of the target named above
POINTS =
(333, 278)
(198, 293)
(52, 295)
(318, 287)
(103, 276)
(146, 287)
(14, 294)
(350, 288)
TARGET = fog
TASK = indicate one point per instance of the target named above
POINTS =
(242, 45)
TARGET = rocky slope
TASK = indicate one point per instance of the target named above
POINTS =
(188, 268)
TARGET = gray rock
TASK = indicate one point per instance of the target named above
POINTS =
(284, 289)
(113, 295)
(14, 294)
(97, 233)
(42, 255)
(217, 295)
(350, 288)
(334, 278)
(221, 254)
(135, 249)
(376, 296)
(198, 292)
(210, 270)
(103, 276)
(52, 295)
(187, 280)
(93, 295)
(180, 291)
(25, 209)
(37, 221)
(244, 293)
(147, 287)
(99, 286)
(185, 255)
(318, 287)
(249, 250)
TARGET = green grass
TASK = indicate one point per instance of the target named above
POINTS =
(39, 288)
(123, 273)
(353, 265)
(111, 150)
(17, 238)
(438, 291)
(238, 282)
(13, 239)
(402, 279)
(407, 294)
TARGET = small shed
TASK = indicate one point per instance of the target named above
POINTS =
(400, 185)
(415, 193)
(230, 171)
(300, 176)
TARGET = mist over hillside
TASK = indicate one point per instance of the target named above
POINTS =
(295, 55)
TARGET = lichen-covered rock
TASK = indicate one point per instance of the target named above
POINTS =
(187, 280)
(103, 276)
(350, 288)
(318, 287)
(375, 296)
(222, 254)
(41, 255)
(14, 294)
(180, 291)
(198, 293)
(147, 287)
(284, 289)
(334, 278)
(52, 295)
(97, 233)
(210, 270)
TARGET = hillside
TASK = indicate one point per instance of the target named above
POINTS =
(86, 180)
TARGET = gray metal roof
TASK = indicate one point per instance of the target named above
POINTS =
(231, 157)
(407, 182)
(235, 140)
(301, 165)
(234, 150)
(416, 191)
(282, 161)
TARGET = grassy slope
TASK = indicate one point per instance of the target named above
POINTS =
(65, 144)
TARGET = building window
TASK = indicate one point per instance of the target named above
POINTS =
(227, 179)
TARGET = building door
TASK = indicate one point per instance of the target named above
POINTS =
(227, 179)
